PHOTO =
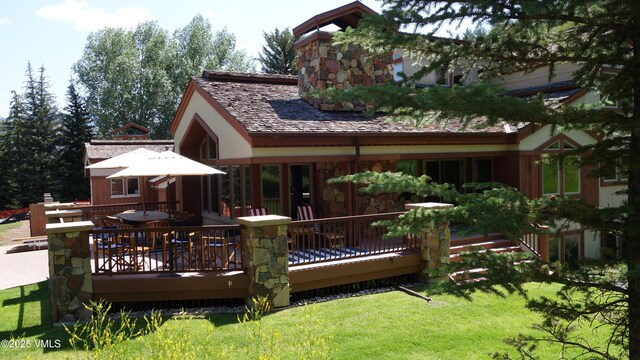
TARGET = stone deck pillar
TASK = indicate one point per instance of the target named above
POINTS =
(267, 257)
(435, 244)
(70, 282)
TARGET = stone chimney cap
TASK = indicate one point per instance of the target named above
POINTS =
(343, 17)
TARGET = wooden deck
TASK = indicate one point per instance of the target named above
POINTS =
(234, 284)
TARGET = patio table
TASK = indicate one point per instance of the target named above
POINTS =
(141, 217)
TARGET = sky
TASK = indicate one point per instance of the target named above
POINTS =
(52, 33)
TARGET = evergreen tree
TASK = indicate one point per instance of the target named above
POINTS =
(75, 131)
(278, 55)
(32, 138)
(525, 35)
(11, 155)
(18, 137)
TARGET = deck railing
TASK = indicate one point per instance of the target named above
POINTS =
(167, 250)
(89, 211)
(329, 239)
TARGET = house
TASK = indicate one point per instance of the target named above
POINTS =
(279, 147)
(120, 191)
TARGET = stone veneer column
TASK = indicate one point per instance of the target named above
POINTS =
(70, 282)
(435, 244)
(267, 257)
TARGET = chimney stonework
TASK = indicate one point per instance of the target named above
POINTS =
(323, 65)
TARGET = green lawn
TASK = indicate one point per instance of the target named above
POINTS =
(3, 228)
(390, 325)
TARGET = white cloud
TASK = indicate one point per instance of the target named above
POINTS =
(85, 18)
(5, 21)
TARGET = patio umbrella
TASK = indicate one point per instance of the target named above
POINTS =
(165, 164)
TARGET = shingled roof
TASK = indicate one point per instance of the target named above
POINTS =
(270, 104)
(98, 150)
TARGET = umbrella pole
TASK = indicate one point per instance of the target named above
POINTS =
(143, 191)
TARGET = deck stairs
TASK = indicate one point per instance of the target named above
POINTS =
(493, 242)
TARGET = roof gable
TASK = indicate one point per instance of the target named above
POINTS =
(343, 17)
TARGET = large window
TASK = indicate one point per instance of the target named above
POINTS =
(227, 194)
(271, 188)
(446, 171)
(566, 249)
(124, 187)
(560, 176)
(208, 148)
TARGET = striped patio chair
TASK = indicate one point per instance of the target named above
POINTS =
(258, 211)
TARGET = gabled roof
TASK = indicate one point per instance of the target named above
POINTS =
(132, 128)
(343, 17)
(554, 94)
(264, 104)
(98, 150)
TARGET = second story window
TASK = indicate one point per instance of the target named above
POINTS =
(560, 176)
(208, 148)
(124, 187)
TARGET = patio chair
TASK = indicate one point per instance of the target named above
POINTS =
(149, 244)
(258, 211)
(335, 239)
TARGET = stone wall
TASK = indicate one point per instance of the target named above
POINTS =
(267, 257)
(70, 280)
(323, 65)
(334, 197)
(377, 204)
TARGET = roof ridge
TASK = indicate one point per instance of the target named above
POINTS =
(250, 77)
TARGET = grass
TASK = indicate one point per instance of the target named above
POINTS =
(4, 228)
(390, 325)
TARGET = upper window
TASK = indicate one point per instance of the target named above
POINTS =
(208, 148)
(561, 176)
(124, 187)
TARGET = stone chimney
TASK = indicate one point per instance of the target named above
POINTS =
(323, 65)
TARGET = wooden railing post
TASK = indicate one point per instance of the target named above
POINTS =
(543, 245)
(267, 257)
(435, 244)
(70, 281)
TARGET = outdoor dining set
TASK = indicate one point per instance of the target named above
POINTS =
(139, 241)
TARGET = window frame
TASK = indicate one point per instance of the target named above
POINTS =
(125, 187)
(561, 167)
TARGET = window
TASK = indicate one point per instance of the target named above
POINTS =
(407, 167)
(208, 148)
(124, 187)
(561, 176)
(614, 174)
(270, 175)
(566, 249)
(446, 171)
(482, 170)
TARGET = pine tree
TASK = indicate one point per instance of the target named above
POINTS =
(10, 155)
(75, 131)
(33, 136)
(525, 35)
(278, 55)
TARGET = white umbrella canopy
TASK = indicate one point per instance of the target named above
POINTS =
(124, 160)
(166, 163)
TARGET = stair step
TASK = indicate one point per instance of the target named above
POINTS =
(513, 248)
(471, 239)
(485, 244)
